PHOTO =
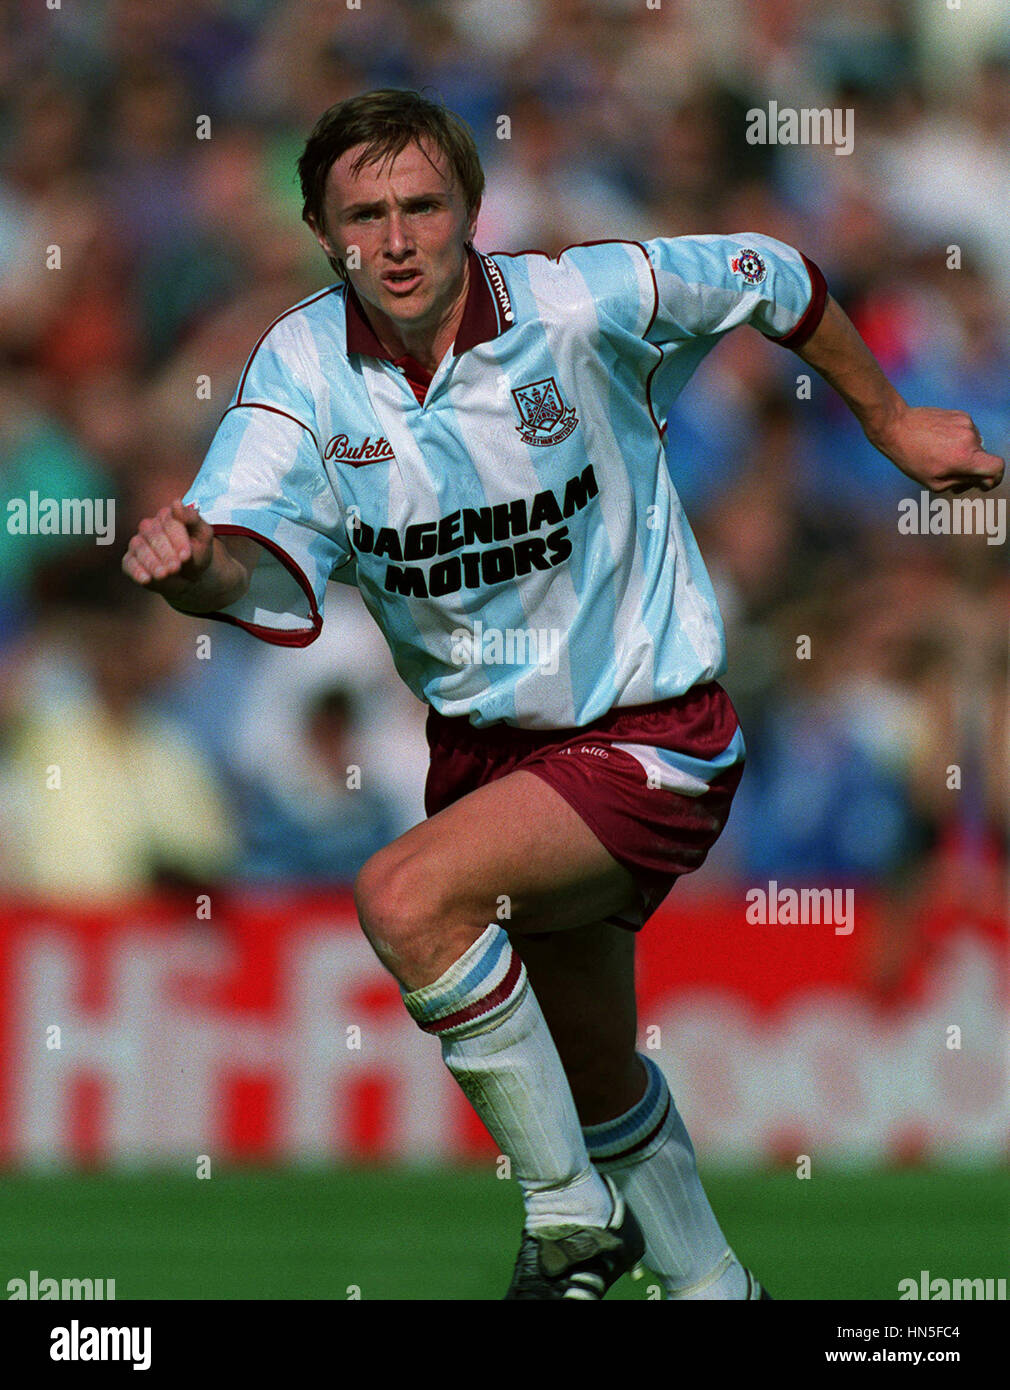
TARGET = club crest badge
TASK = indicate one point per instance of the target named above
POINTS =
(750, 265)
(545, 418)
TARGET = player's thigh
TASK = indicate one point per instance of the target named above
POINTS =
(584, 980)
(512, 851)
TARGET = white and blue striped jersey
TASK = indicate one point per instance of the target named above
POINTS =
(516, 535)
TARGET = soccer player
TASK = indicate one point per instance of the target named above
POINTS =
(472, 440)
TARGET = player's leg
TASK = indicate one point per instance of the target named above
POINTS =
(432, 904)
(585, 982)
(511, 851)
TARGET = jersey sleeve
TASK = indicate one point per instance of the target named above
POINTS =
(263, 478)
(705, 285)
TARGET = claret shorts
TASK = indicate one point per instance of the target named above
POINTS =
(654, 783)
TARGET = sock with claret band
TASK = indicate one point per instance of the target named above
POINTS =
(496, 1043)
(648, 1154)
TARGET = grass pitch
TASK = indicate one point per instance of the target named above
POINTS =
(395, 1233)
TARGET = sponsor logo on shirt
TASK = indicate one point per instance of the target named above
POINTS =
(750, 265)
(340, 450)
(540, 541)
(545, 418)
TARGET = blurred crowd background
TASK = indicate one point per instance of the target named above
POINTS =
(180, 765)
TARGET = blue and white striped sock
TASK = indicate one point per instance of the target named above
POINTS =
(497, 1045)
(650, 1157)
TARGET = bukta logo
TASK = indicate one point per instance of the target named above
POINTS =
(545, 418)
(340, 451)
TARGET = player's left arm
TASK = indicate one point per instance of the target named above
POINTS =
(940, 449)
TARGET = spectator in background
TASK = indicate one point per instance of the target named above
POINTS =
(88, 764)
(827, 790)
(269, 715)
(311, 818)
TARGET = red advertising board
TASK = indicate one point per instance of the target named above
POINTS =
(148, 1034)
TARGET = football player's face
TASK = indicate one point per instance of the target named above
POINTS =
(409, 223)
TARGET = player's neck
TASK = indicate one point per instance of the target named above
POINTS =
(427, 342)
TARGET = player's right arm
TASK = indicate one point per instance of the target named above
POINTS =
(177, 555)
(261, 531)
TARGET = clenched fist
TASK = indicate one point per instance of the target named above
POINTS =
(171, 551)
(941, 449)
(176, 554)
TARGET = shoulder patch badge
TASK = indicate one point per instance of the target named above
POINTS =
(750, 265)
(545, 418)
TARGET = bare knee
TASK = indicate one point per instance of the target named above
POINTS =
(395, 907)
(409, 917)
